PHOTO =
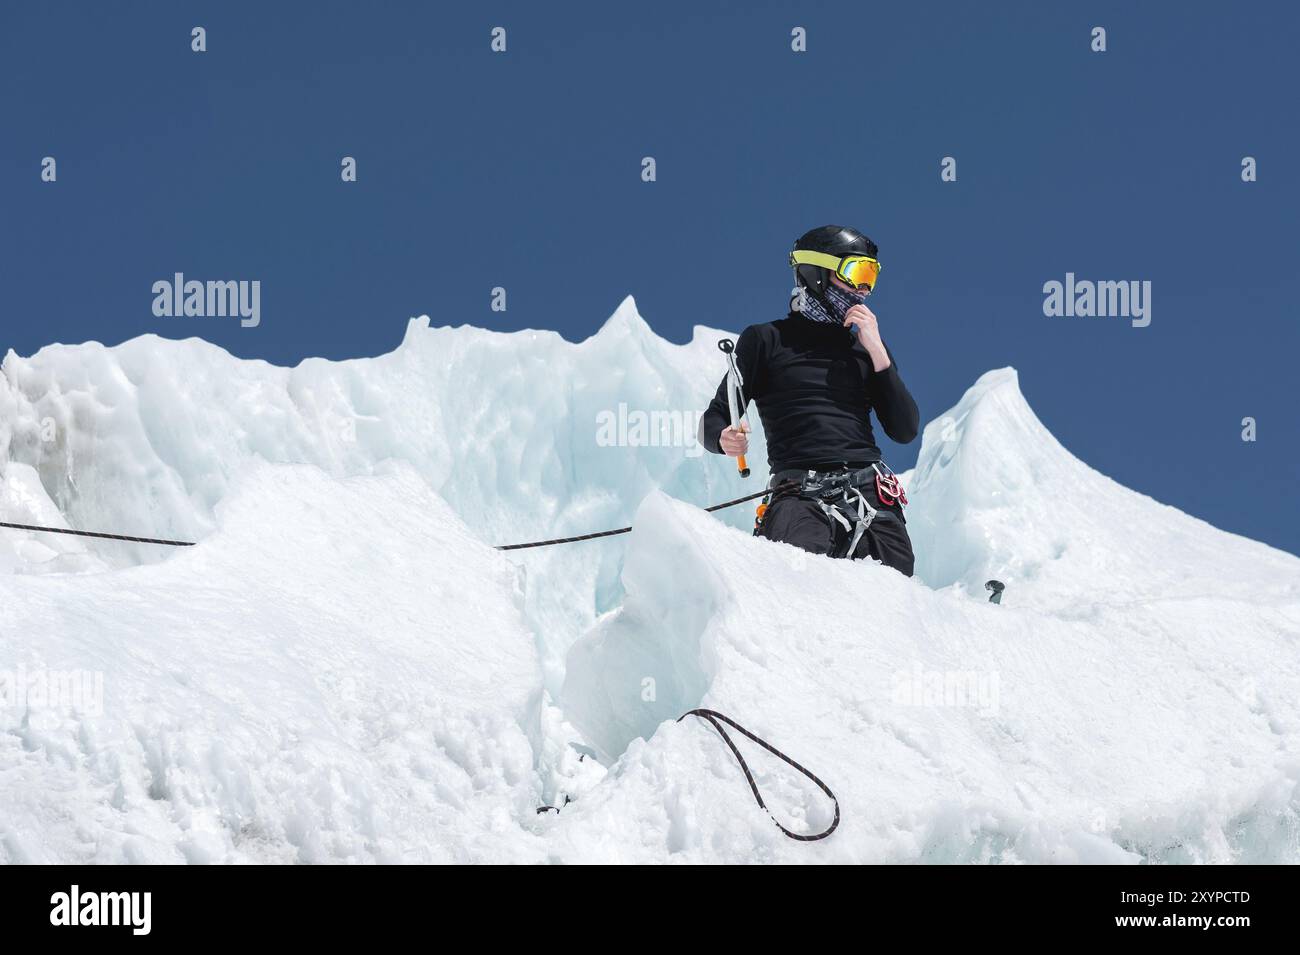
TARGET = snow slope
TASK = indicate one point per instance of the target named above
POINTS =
(292, 690)
(344, 670)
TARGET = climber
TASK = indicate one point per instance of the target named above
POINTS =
(815, 376)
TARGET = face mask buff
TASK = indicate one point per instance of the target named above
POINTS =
(840, 300)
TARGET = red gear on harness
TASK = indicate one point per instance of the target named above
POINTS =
(888, 487)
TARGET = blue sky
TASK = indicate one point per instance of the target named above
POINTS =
(522, 170)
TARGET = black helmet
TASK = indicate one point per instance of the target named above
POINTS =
(833, 240)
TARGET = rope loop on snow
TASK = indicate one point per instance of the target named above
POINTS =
(713, 717)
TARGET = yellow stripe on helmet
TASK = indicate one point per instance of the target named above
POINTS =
(805, 257)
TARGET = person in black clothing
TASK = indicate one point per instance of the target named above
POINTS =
(816, 375)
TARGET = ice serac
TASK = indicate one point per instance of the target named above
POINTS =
(147, 437)
(995, 495)
(645, 662)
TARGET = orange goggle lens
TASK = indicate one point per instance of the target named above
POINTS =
(859, 271)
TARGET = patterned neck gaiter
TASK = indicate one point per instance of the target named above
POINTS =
(840, 301)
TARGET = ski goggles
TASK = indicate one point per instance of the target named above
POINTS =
(860, 271)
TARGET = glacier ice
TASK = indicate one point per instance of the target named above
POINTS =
(344, 670)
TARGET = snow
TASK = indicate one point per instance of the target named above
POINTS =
(1158, 732)
(344, 670)
(298, 695)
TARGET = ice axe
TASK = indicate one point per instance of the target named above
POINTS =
(735, 395)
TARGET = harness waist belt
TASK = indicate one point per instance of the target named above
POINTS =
(837, 493)
(829, 484)
(828, 479)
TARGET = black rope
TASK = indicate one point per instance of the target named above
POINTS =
(712, 716)
(111, 537)
(624, 530)
(565, 540)
(556, 809)
(558, 540)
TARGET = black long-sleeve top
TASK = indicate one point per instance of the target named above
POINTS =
(814, 385)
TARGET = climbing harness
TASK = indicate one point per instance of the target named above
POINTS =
(839, 495)
(855, 522)
(736, 403)
(713, 717)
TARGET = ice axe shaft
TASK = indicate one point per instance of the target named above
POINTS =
(735, 396)
(735, 424)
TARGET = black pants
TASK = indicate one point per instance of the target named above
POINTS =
(800, 521)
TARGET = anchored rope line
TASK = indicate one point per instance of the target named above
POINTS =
(111, 537)
(712, 717)
(170, 543)
(624, 530)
